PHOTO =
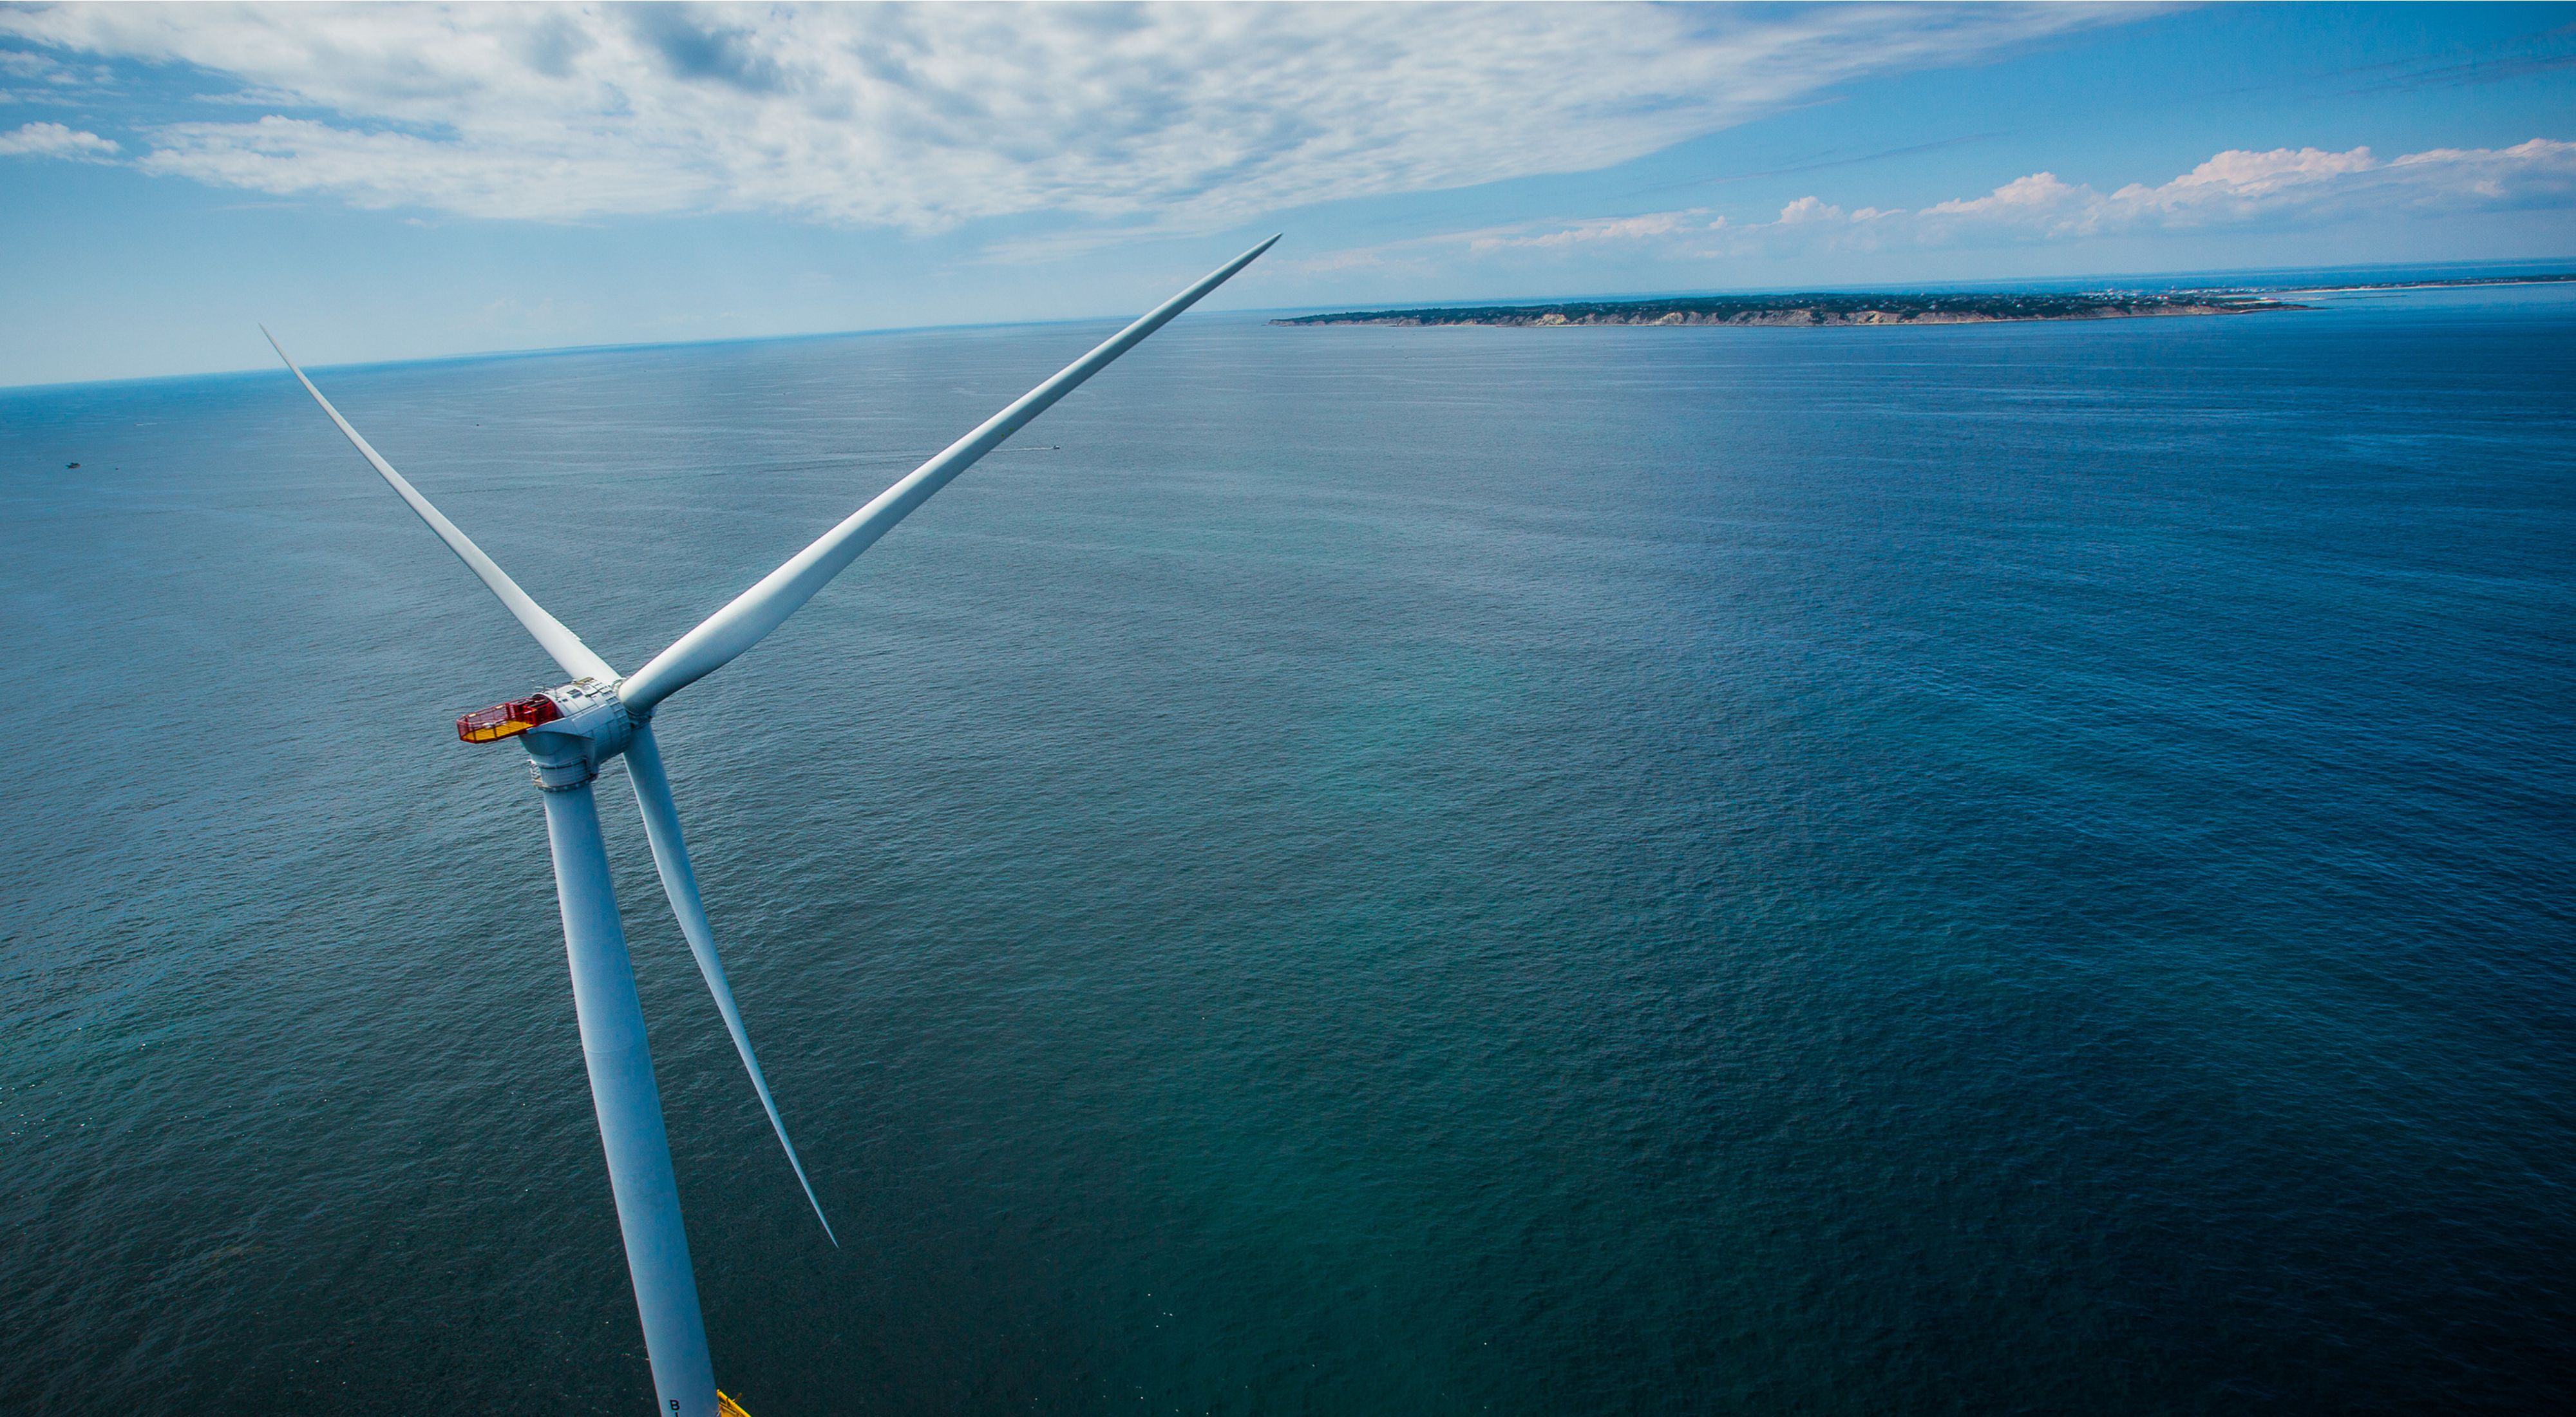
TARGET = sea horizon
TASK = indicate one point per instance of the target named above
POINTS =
(2142, 281)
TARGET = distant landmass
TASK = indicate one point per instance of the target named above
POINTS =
(2434, 283)
(1819, 309)
(1889, 307)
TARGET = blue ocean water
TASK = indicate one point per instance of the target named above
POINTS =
(1983, 869)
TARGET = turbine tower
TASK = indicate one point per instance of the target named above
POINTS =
(569, 732)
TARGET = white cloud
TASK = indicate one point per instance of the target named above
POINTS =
(1602, 229)
(55, 140)
(63, 83)
(1808, 210)
(2285, 186)
(922, 118)
(2018, 200)
(2282, 186)
(2234, 186)
(2243, 180)
(385, 169)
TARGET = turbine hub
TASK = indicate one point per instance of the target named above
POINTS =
(568, 731)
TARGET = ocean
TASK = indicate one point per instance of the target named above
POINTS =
(2011, 868)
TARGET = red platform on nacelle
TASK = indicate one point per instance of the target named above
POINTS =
(508, 720)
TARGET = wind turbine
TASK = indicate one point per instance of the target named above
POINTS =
(570, 731)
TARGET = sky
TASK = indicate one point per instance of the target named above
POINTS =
(395, 182)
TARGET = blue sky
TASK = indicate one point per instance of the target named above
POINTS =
(398, 182)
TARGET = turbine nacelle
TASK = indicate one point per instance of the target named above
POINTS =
(506, 720)
(568, 731)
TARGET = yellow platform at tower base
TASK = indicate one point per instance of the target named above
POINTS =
(727, 1407)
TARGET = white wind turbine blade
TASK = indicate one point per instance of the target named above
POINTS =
(764, 607)
(577, 658)
(671, 858)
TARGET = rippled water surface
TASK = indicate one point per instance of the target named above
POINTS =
(2010, 868)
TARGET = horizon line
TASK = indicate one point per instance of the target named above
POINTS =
(2562, 265)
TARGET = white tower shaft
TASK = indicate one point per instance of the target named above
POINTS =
(630, 1109)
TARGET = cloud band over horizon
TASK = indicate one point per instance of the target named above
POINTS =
(2232, 187)
(922, 119)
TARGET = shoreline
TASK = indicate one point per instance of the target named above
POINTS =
(1813, 311)
(2464, 283)
(1817, 309)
